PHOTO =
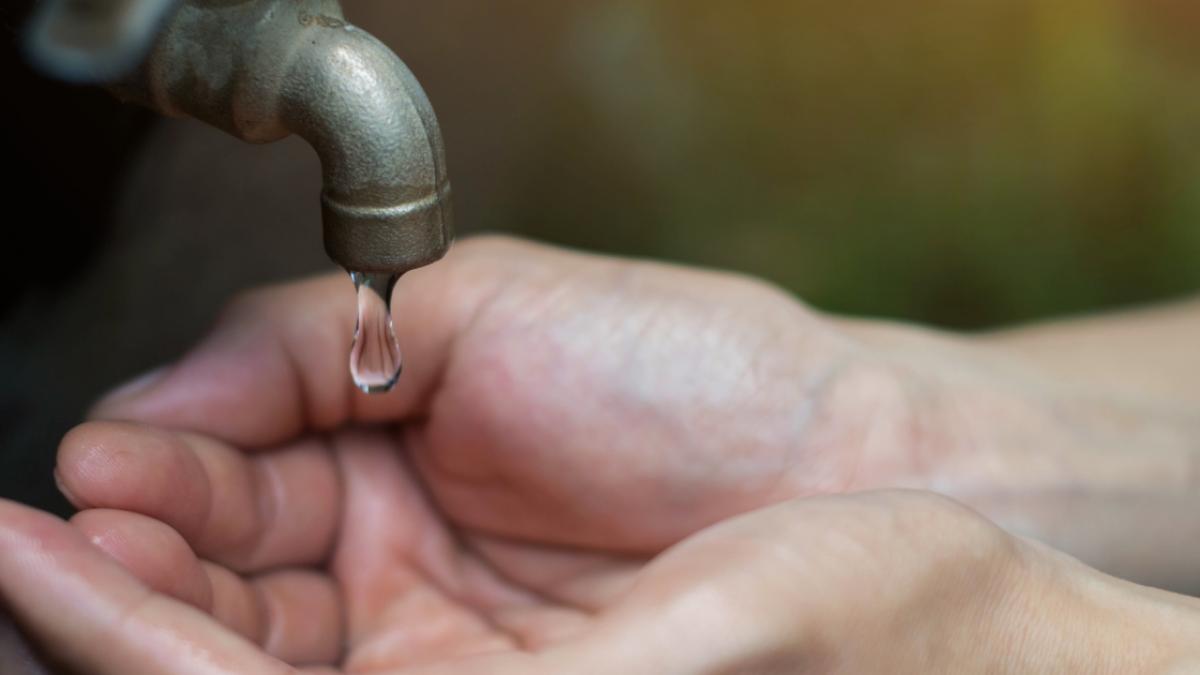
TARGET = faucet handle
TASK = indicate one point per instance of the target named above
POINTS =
(94, 41)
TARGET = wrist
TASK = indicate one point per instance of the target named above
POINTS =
(989, 422)
(1111, 479)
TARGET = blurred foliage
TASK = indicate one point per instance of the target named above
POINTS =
(962, 162)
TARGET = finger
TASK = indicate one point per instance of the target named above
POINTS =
(303, 615)
(151, 551)
(276, 362)
(101, 620)
(250, 512)
(293, 615)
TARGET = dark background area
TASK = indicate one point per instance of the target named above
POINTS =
(963, 164)
(66, 148)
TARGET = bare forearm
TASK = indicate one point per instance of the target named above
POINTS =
(1095, 450)
(1152, 352)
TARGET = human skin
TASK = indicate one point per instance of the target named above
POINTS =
(539, 380)
(564, 419)
(1082, 433)
(895, 582)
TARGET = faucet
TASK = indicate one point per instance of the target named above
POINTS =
(263, 70)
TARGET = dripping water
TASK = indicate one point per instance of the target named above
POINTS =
(375, 361)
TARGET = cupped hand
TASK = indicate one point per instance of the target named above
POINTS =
(579, 400)
(564, 419)
(896, 582)
(568, 399)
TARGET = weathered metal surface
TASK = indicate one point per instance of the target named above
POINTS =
(264, 69)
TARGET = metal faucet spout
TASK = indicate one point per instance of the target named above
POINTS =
(386, 196)
(264, 69)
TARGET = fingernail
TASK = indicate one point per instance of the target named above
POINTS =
(66, 492)
(129, 390)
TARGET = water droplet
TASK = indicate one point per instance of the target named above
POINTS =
(375, 361)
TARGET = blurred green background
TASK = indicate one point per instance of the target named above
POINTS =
(961, 162)
(965, 163)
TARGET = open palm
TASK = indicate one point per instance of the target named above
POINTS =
(328, 551)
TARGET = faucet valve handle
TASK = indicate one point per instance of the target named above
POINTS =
(94, 41)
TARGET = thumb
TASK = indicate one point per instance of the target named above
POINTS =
(277, 361)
